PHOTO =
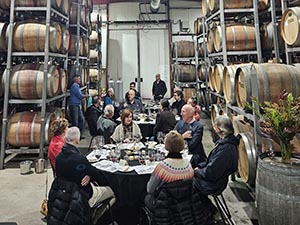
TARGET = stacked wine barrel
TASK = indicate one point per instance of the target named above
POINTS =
(184, 73)
(95, 54)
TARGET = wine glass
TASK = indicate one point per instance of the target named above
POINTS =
(101, 141)
(160, 137)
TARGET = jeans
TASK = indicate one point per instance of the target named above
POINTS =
(76, 116)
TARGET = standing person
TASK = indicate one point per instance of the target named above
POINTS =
(58, 128)
(132, 87)
(179, 102)
(211, 176)
(193, 102)
(105, 125)
(159, 88)
(127, 129)
(76, 96)
(192, 132)
(165, 120)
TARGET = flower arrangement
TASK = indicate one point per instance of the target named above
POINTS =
(280, 119)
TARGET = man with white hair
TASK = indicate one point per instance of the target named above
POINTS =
(105, 125)
(192, 132)
(134, 104)
(74, 167)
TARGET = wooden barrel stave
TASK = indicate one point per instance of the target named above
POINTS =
(184, 49)
(186, 73)
(218, 78)
(228, 83)
(3, 43)
(267, 37)
(189, 92)
(210, 78)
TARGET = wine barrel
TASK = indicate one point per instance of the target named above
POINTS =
(94, 21)
(218, 78)
(264, 4)
(26, 81)
(89, 5)
(73, 45)
(66, 40)
(84, 76)
(63, 80)
(93, 38)
(24, 129)
(272, 79)
(198, 26)
(189, 92)
(65, 7)
(73, 14)
(58, 112)
(247, 158)
(290, 26)
(216, 110)
(240, 126)
(186, 73)
(277, 192)
(210, 78)
(95, 75)
(29, 36)
(73, 69)
(210, 41)
(267, 37)
(202, 73)
(5, 4)
(95, 56)
(238, 38)
(26, 3)
(228, 83)
(184, 49)
(205, 8)
(214, 5)
(3, 44)
(40, 3)
(86, 46)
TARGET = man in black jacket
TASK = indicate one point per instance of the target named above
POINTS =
(74, 167)
(159, 88)
(179, 103)
(92, 114)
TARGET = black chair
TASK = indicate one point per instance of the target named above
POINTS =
(223, 209)
(100, 208)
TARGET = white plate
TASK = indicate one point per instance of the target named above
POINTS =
(125, 168)
(109, 146)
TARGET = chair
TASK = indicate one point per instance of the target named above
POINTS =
(176, 203)
(223, 209)
(99, 209)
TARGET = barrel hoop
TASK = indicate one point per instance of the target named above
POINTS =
(47, 124)
(21, 37)
(232, 80)
(32, 129)
(35, 91)
(40, 48)
(248, 85)
(247, 38)
(294, 82)
(266, 84)
(233, 35)
(249, 151)
(52, 91)
(17, 82)
(18, 127)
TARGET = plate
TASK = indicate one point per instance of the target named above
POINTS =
(125, 168)
(109, 146)
(159, 146)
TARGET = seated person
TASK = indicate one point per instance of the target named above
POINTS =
(132, 87)
(211, 177)
(92, 114)
(165, 120)
(71, 166)
(192, 132)
(105, 125)
(109, 97)
(193, 102)
(127, 129)
(58, 128)
(179, 103)
(171, 169)
(134, 104)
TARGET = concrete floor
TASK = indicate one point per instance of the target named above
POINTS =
(21, 195)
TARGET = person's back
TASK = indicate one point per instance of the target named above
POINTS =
(105, 125)
(92, 114)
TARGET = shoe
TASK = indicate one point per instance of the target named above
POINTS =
(82, 137)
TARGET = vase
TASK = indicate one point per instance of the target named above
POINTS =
(286, 151)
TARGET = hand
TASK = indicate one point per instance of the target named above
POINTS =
(187, 134)
(86, 180)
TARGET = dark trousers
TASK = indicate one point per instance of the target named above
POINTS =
(76, 116)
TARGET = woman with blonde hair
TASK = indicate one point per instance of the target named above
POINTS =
(171, 169)
(58, 128)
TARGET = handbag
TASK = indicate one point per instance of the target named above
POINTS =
(44, 206)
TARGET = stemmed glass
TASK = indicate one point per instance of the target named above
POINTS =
(96, 149)
(160, 137)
